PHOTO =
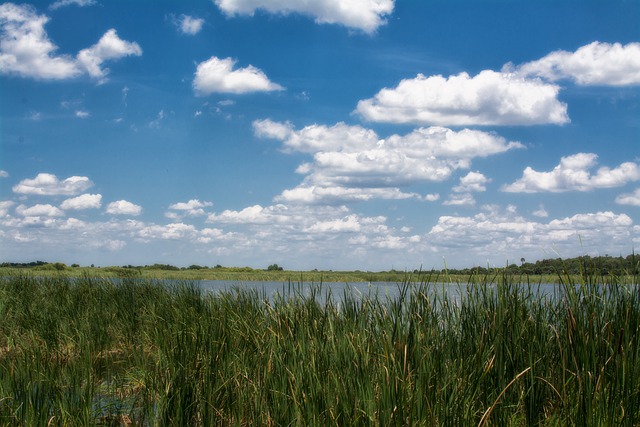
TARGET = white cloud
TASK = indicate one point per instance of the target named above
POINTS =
(218, 76)
(172, 231)
(123, 207)
(632, 199)
(155, 123)
(252, 215)
(25, 48)
(82, 114)
(594, 64)
(364, 15)
(109, 47)
(4, 207)
(489, 98)
(313, 194)
(541, 212)
(39, 210)
(473, 181)
(503, 233)
(4, 174)
(464, 199)
(193, 207)
(189, 24)
(62, 3)
(26, 51)
(85, 201)
(46, 184)
(573, 174)
(317, 138)
(351, 163)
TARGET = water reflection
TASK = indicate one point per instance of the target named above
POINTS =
(383, 291)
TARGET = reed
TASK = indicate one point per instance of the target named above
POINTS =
(92, 351)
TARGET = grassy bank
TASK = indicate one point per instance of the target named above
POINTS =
(88, 351)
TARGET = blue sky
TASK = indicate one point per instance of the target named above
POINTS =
(373, 134)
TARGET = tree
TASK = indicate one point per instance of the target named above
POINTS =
(274, 267)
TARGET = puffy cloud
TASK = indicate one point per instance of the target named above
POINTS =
(541, 212)
(26, 51)
(82, 114)
(189, 25)
(351, 163)
(465, 199)
(46, 184)
(473, 181)
(335, 195)
(4, 207)
(172, 231)
(348, 224)
(39, 210)
(252, 215)
(63, 3)
(316, 138)
(193, 207)
(632, 199)
(364, 15)
(594, 64)
(25, 48)
(217, 75)
(489, 98)
(505, 233)
(573, 174)
(4, 174)
(123, 207)
(109, 47)
(85, 201)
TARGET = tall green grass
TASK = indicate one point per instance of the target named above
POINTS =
(93, 351)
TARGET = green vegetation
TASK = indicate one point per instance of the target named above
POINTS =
(90, 351)
(543, 271)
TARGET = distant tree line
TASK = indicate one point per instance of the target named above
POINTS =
(601, 265)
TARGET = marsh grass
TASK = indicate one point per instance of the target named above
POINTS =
(90, 351)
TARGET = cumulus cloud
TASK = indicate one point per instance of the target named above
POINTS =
(193, 207)
(85, 201)
(503, 231)
(464, 199)
(597, 63)
(46, 184)
(123, 207)
(26, 51)
(63, 3)
(25, 48)
(82, 114)
(472, 182)
(632, 199)
(172, 231)
(364, 15)
(39, 210)
(351, 163)
(312, 194)
(489, 98)
(217, 75)
(109, 47)
(541, 212)
(4, 174)
(573, 174)
(188, 24)
(4, 207)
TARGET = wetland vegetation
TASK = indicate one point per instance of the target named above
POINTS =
(93, 351)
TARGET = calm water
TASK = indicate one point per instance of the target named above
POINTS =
(338, 290)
